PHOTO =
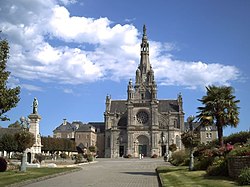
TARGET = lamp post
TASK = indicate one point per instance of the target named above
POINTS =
(190, 120)
(25, 127)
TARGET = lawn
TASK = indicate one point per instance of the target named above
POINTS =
(180, 176)
(11, 177)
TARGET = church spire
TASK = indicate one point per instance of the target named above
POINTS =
(144, 63)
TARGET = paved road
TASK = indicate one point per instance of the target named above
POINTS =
(110, 173)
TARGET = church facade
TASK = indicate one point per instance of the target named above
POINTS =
(142, 124)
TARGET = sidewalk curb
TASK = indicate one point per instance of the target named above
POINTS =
(158, 178)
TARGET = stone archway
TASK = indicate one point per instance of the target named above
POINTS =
(143, 145)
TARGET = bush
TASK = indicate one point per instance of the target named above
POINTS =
(90, 158)
(240, 151)
(78, 158)
(178, 158)
(218, 167)
(203, 163)
(172, 147)
(3, 164)
(40, 157)
(63, 155)
(244, 177)
(240, 137)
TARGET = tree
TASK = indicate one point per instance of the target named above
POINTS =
(220, 109)
(17, 124)
(24, 140)
(9, 97)
(8, 143)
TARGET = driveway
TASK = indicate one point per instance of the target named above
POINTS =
(109, 173)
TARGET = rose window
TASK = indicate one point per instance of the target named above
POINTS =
(142, 117)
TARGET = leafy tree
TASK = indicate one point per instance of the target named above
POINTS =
(57, 144)
(9, 97)
(24, 140)
(17, 124)
(172, 147)
(220, 108)
(8, 143)
(92, 149)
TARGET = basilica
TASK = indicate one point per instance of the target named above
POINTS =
(142, 124)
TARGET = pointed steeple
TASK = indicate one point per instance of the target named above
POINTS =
(144, 63)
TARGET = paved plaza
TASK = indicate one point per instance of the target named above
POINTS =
(109, 173)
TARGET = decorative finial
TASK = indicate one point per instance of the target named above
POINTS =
(144, 29)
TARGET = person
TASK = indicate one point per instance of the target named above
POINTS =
(35, 106)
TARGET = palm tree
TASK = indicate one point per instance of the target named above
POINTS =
(220, 109)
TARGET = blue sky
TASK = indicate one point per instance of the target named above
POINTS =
(71, 54)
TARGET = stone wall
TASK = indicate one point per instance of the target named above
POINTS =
(236, 164)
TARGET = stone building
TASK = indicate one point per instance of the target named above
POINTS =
(142, 124)
(84, 135)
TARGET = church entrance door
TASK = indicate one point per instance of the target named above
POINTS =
(163, 150)
(143, 150)
(29, 157)
(121, 151)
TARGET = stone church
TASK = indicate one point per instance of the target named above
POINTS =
(142, 124)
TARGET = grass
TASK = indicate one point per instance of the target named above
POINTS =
(180, 176)
(12, 176)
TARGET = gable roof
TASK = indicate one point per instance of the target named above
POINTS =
(168, 105)
(85, 128)
(198, 126)
(68, 127)
(98, 125)
(118, 106)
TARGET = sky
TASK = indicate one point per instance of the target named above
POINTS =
(70, 54)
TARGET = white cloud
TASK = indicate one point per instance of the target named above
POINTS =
(31, 87)
(105, 52)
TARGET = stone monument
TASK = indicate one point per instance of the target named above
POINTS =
(34, 119)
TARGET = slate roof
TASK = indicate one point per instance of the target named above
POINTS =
(197, 125)
(9, 131)
(98, 125)
(118, 106)
(68, 127)
(168, 105)
(84, 128)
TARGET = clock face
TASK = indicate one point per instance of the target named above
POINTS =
(142, 117)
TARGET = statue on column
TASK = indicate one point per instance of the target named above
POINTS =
(35, 106)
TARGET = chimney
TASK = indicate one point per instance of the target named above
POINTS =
(64, 121)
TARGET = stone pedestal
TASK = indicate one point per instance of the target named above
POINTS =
(34, 129)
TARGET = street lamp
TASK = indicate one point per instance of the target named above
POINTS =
(190, 120)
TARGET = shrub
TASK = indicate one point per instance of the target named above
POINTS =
(40, 157)
(218, 167)
(3, 164)
(244, 177)
(90, 158)
(178, 158)
(203, 163)
(78, 158)
(63, 155)
(172, 147)
(240, 137)
(240, 151)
